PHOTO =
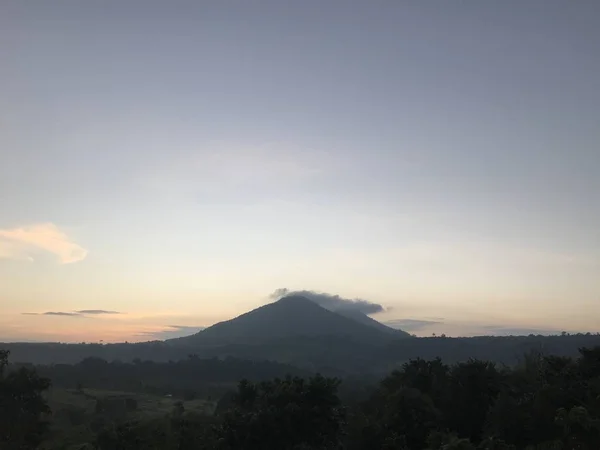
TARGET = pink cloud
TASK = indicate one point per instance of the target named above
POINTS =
(24, 242)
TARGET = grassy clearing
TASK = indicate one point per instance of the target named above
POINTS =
(77, 414)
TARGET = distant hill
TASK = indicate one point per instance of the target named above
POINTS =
(292, 316)
(366, 320)
(336, 355)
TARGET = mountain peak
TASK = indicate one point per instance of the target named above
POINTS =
(291, 316)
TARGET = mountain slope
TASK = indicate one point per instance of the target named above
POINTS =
(293, 316)
(366, 320)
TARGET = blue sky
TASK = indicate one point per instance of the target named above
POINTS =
(179, 161)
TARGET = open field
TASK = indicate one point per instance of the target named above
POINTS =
(78, 414)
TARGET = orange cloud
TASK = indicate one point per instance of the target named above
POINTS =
(22, 243)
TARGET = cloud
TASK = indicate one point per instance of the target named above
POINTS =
(61, 313)
(22, 243)
(412, 324)
(499, 330)
(81, 313)
(426, 327)
(331, 301)
(172, 331)
(13, 250)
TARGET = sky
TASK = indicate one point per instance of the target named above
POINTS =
(167, 165)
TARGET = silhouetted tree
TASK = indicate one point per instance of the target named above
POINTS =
(284, 414)
(22, 407)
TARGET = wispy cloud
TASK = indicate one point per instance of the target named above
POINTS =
(429, 326)
(22, 243)
(61, 313)
(171, 332)
(81, 313)
(331, 301)
(412, 324)
(499, 330)
(10, 249)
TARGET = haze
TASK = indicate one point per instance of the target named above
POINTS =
(166, 165)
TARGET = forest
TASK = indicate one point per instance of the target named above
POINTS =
(545, 402)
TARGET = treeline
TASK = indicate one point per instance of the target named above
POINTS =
(543, 403)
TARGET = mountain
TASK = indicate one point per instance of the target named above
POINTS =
(366, 320)
(292, 316)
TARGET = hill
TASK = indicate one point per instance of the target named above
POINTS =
(326, 354)
(293, 316)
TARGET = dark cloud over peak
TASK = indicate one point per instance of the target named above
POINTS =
(96, 311)
(331, 301)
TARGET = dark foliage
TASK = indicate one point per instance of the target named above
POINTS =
(545, 402)
(22, 407)
(284, 414)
